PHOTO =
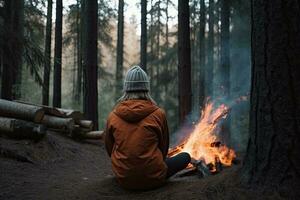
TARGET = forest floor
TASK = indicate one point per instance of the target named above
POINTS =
(59, 168)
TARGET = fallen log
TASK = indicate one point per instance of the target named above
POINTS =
(21, 111)
(94, 135)
(58, 112)
(82, 133)
(20, 129)
(74, 114)
(86, 124)
(58, 123)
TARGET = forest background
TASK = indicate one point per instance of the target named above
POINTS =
(209, 58)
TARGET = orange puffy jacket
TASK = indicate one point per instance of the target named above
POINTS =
(137, 140)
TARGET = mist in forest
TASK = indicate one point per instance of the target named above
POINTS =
(162, 58)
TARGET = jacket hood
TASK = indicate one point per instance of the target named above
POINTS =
(134, 110)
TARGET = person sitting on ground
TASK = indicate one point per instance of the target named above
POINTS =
(137, 137)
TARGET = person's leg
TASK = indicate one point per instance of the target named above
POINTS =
(177, 163)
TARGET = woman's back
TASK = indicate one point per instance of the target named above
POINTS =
(137, 140)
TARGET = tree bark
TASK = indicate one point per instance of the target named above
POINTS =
(273, 153)
(57, 55)
(184, 61)
(79, 20)
(18, 28)
(210, 50)
(47, 54)
(144, 35)
(21, 111)
(90, 62)
(225, 51)
(12, 49)
(120, 50)
(8, 68)
(224, 87)
(202, 54)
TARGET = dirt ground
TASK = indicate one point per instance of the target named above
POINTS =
(60, 168)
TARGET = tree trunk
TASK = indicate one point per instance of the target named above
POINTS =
(144, 34)
(90, 62)
(79, 20)
(8, 68)
(225, 51)
(151, 46)
(120, 50)
(57, 55)
(210, 50)
(195, 61)
(47, 54)
(273, 153)
(158, 65)
(202, 54)
(224, 86)
(12, 49)
(184, 60)
(18, 29)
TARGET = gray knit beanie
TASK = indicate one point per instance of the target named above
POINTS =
(136, 80)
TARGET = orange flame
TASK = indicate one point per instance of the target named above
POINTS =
(202, 143)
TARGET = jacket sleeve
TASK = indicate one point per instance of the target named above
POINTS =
(164, 137)
(109, 139)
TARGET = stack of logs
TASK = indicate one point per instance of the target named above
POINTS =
(24, 120)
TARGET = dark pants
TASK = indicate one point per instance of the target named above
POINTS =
(177, 163)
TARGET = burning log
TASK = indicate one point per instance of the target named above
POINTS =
(187, 172)
(215, 144)
(218, 165)
(21, 111)
(203, 170)
(20, 129)
(176, 150)
(58, 123)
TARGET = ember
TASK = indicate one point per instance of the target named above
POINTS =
(203, 143)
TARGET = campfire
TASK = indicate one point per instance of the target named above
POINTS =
(208, 154)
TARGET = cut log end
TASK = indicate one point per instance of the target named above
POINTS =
(39, 115)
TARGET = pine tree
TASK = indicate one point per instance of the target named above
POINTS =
(47, 54)
(210, 50)
(144, 34)
(57, 55)
(184, 60)
(120, 49)
(272, 158)
(13, 49)
(202, 55)
(90, 61)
